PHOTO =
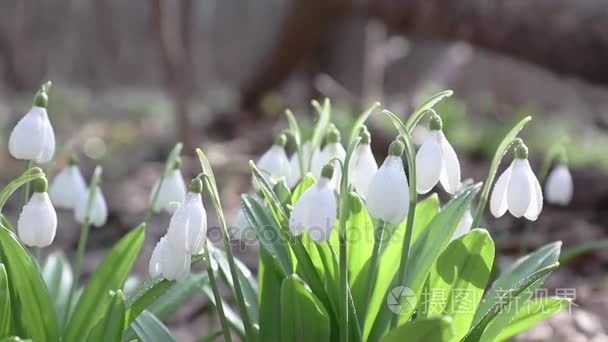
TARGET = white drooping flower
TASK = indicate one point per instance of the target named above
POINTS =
(559, 187)
(363, 166)
(188, 227)
(241, 229)
(68, 188)
(436, 161)
(172, 191)
(316, 210)
(274, 162)
(333, 150)
(517, 189)
(296, 174)
(33, 137)
(171, 264)
(37, 224)
(99, 208)
(388, 194)
(464, 226)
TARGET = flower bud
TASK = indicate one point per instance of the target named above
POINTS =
(559, 187)
(37, 224)
(188, 226)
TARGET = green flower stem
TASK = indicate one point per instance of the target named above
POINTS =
(216, 294)
(410, 154)
(209, 180)
(26, 189)
(28, 176)
(84, 235)
(373, 268)
(502, 149)
(173, 155)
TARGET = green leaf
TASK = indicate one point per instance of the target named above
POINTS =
(28, 176)
(31, 305)
(425, 250)
(110, 275)
(247, 280)
(270, 303)
(234, 321)
(486, 329)
(426, 210)
(360, 232)
(459, 278)
(57, 274)
(271, 237)
(531, 313)
(112, 323)
(150, 329)
(321, 126)
(14, 339)
(180, 292)
(522, 269)
(5, 304)
(303, 318)
(590, 246)
(304, 184)
(422, 330)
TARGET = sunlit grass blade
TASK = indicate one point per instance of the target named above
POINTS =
(111, 324)
(150, 329)
(536, 310)
(5, 304)
(427, 330)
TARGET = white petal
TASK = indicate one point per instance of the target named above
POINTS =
(498, 200)
(188, 227)
(175, 265)
(429, 163)
(362, 169)
(559, 187)
(173, 191)
(464, 226)
(68, 188)
(99, 209)
(388, 196)
(48, 146)
(315, 211)
(154, 267)
(536, 203)
(27, 140)
(450, 172)
(37, 222)
(334, 151)
(519, 189)
(274, 164)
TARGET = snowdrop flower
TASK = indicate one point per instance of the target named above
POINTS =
(436, 161)
(464, 226)
(68, 187)
(296, 174)
(241, 229)
(559, 186)
(171, 264)
(333, 150)
(316, 209)
(99, 209)
(274, 162)
(33, 137)
(188, 226)
(173, 190)
(388, 197)
(517, 189)
(363, 165)
(37, 222)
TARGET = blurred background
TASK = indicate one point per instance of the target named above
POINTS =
(132, 78)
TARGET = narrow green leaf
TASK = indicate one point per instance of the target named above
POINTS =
(178, 294)
(5, 304)
(109, 276)
(483, 330)
(270, 303)
(459, 278)
(429, 103)
(321, 126)
(150, 329)
(31, 305)
(57, 274)
(303, 318)
(354, 132)
(233, 319)
(28, 176)
(304, 184)
(360, 238)
(426, 250)
(426, 210)
(587, 247)
(531, 313)
(112, 323)
(423, 330)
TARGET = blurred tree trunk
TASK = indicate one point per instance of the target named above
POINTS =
(173, 61)
(570, 38)
(15, 50)
(107, 36)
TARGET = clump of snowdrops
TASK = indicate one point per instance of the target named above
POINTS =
(348, 250)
